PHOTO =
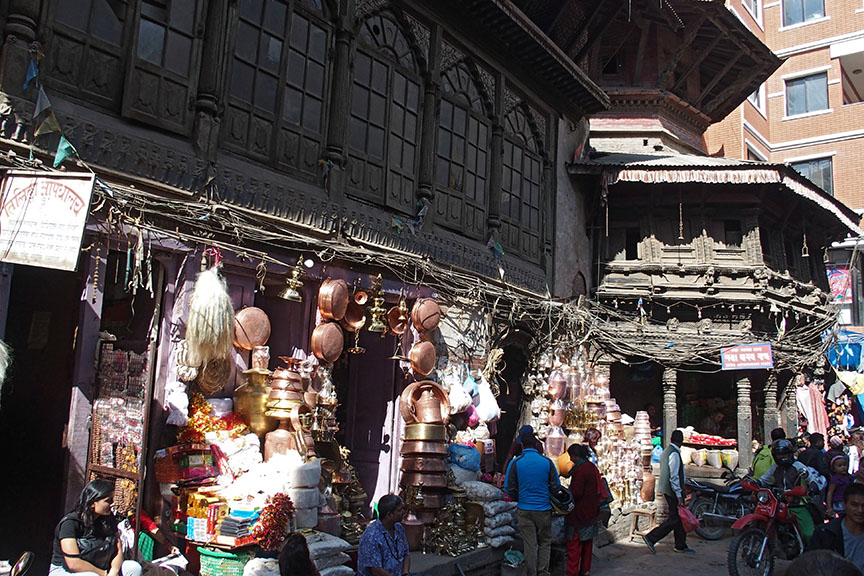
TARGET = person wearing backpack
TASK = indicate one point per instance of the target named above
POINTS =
(531, 478)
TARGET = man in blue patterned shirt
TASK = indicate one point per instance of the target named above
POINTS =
(383, 549)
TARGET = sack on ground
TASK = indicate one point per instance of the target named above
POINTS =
(483, 492)
(505, 530)
(329, 561)
(261, 567)
(496, 542)
(337, 571)
(498, 506)
(502, 519)
(322, 544)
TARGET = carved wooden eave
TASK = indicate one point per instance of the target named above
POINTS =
(712, 48)
(522, 42)
(687, 169)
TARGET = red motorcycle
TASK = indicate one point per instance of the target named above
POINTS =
(772, 527)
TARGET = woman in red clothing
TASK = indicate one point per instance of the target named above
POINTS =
(588, 490)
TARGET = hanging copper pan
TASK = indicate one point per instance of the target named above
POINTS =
(251, 328)
(417, 447)
(425, 315)
(333, 299)
(396, 321)
(422, 356)
(327, 342)
(355, 317)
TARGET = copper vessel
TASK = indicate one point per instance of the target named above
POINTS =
(251, 328)
(397, 321)
(422, 356)
(433, 500)
(429, 480)
(292, 395)
(327, 342)
(425, 315)
(333, 299)
(423, 464)
(287, 377)
(355, 317)
(428, 432)
(250, 400)
(428, 407)
(417, 447)
(406, 405)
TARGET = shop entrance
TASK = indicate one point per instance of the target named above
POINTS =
(41, 330)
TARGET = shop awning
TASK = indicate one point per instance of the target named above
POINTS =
(845, 353)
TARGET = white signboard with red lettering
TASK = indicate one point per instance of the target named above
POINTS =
(42, 218)
(747, 356)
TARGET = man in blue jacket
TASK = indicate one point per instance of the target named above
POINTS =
(530, 479)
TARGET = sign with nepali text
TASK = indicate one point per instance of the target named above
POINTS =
(747, 356)
(42, 218)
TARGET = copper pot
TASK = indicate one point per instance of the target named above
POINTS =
(431, 500)
(428, 432)
(355, 317)
(292, 395)
(439, 395)
(425, 315)
(423, 464)
(333, 299)
(411, 447)
(361, 297)
(422, 356)
(327, 341)
(428, 479)
(406, 406)
(286, 379)
(396, 321)
(251, 328)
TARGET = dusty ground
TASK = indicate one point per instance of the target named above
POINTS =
(628, 558)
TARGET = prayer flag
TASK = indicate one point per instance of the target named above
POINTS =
(32, 72)
(42, 103)
(64, 150)
(50, 124)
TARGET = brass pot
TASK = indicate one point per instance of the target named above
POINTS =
(425, 315)
(250, 400)
(423, 464)
(333, 299)
(418, 447)
(422, 356)
(251, 328)
(428, 432)
(327, 342)
(428, 479)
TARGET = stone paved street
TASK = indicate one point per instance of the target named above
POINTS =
(625, 558)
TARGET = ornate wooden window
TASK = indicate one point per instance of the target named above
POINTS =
(462, 160)
(89, 51)
(278, 83)
(522, 185)
(384, 123)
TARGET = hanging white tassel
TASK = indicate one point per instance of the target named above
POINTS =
(211, 319)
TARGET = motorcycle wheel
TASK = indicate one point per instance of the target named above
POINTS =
(743, 551)
(708, 529)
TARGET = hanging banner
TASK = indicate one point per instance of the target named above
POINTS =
(840, 281)
(747, 356)
(42, 217)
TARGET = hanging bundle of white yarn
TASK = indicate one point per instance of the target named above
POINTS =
(210, 325)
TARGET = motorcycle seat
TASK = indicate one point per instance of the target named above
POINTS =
(721, 488)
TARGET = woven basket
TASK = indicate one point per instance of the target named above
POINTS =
(217, 563)
(213, 377)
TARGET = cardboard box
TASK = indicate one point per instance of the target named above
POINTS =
(487, 455)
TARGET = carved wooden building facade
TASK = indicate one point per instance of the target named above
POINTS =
(417, 130)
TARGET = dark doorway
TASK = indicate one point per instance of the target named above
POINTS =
(40, 329)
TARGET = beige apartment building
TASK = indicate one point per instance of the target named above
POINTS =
(810, 112)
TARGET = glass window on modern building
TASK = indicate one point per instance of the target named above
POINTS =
(807, 94)
(819, 171)
(800, 11)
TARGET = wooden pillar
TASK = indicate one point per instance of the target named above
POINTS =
(496, 151)
(19, 32)
(745, 424)
(211, 81)
(431, 91)
(84, 374)
(340, 93)
(670, 403)
(772, 416)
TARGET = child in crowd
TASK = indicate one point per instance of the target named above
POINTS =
(840, 478)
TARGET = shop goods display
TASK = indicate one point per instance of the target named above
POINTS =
(377, 310)
(333, 299)
(250, 400)
(210, 323)
(454, 531)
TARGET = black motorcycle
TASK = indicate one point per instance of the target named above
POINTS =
(718, 506)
